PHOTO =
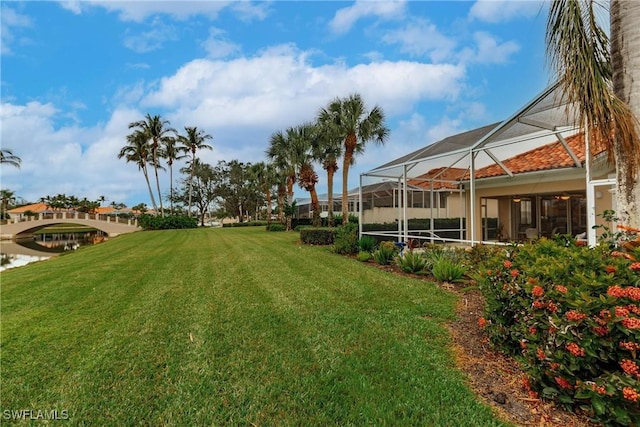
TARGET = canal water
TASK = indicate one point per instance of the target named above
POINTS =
(44, 246)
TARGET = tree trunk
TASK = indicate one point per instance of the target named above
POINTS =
(331, 170)
(349, 149)
(155, 168)
(315, 205)
(268, 196)
(153, 199)
(625, 58)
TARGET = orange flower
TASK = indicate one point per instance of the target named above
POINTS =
(635, 266)
(514, 273)
(631, 323)
(561, 289)
(622, 311)
(611, 269)
(482, 322)
(630, 368)
(575, 316)
(616, 291)
(601, 330)
(563, 383)
(540, 354)
(633, 293)
(575, 349)
(629, 345)
(537, 291)
(598, 389)
(507, 264)
(553, 307)
(630, 394)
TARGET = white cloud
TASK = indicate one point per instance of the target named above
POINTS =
(488, 50)
(139, 10)
(495, 11)
(345, 18)
(217, 46)
(55, 161)
(420, 37)
(10, 21)
(154, 39)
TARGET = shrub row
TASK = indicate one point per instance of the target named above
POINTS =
(571, 316)
(246, 224)
(317, 236)
(157, 222)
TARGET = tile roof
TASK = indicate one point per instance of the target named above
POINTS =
(547, 157)
(442, 177)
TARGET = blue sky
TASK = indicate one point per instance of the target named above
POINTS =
(76, 73)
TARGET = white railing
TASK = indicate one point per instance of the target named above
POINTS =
(77, 215)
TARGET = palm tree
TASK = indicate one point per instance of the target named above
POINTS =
(355, 127)
(193, 141)
(7, 156)
(171, 151)
(7, 198)
(327, 149)
(156, 131)
(138, 151)
(265, 175)
(603, 80)
(303, 137)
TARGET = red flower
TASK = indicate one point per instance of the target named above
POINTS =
(630, 368)
(537, 291)
(622, 311)
(507, 264)
(598, 389)
(575, 349)
(554, 366)
(553, 307)
(533, 330)
(482, 322)
(514, 273)
(635, 266)
(611, 269)
(633, 293)
(601, 330)
(631, 323)
(540, 354)
(539, 304)
(630, 394)
(629, 345)
(575, 316)
(616, 291)
(563, 383)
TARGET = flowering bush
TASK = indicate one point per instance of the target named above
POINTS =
(571, 315)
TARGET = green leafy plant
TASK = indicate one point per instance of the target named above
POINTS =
(346, 239)
(447, 269)
(367, 243)
(317, 236)
(364, 256)
(411, 262)
(385, 253)
(570, 315)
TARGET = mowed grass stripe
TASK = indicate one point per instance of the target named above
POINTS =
(228, 327)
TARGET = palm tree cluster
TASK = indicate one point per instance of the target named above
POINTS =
(340, 130)
(153, 140)
(65, 202)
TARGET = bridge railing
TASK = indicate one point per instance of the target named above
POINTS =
(77, 215)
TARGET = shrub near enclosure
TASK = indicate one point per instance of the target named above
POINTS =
(571, 315)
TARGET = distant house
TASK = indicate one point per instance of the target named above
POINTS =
(532, 172)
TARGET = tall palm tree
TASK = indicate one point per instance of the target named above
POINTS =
(172, 151)
(303, 137)
(138, 151)
(327, 149)
(284, 154)
(7, 156)
(156, 131)
(194, 140)
(603, 80)
(355, 126)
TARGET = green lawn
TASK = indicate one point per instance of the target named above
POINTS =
(228, 327)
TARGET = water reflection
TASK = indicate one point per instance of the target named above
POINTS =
(43, 246)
